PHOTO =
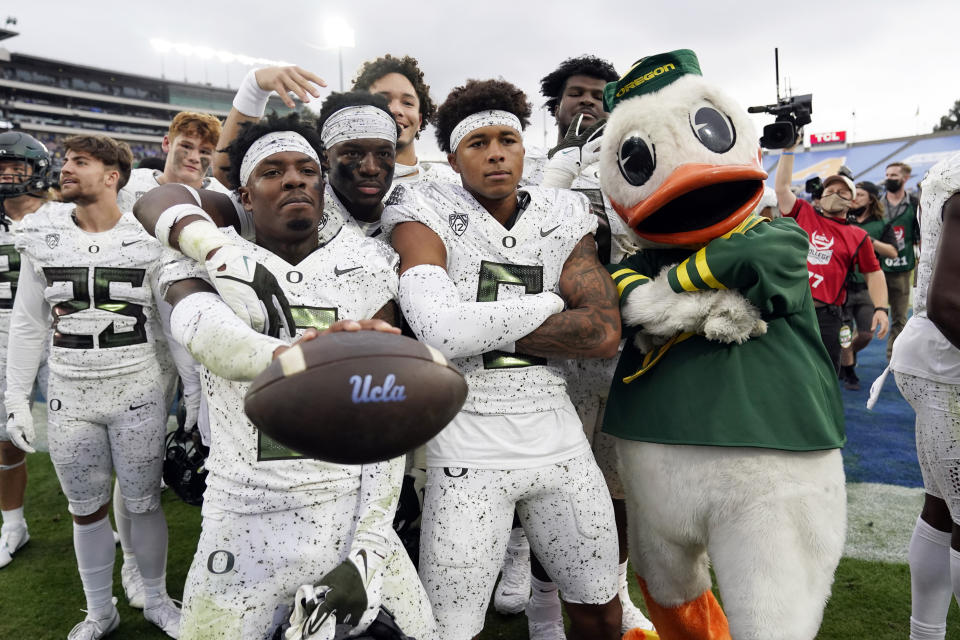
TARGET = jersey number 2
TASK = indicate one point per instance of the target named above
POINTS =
(492, 275)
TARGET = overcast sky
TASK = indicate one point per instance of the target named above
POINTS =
(879, 60)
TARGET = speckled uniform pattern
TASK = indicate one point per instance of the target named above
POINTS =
(106, 406)
(249, 472)
(565, 511)
(488, 262)
(247, 569)
(274, 520)
(9, 272)
(938, 436)
(121, 430)
(143, 180)
(588, 381)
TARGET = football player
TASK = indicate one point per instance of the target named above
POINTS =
(189, 145)
(25, 178)
(273, 521)
(507, 283)
(401, 82)
(574, 93)
(88, 270)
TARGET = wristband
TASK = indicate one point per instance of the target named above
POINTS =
(171, 215)
(251, 100)
(199, 238)
(786, 153)
(886, 310)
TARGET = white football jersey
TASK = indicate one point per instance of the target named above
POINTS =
(143, 180)
(488, 262)
(100, 288)
(349, 277)
(10, 268)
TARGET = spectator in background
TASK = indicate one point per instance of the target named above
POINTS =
(901, 216)
(926, 364)
(867, 213)
(835, 248)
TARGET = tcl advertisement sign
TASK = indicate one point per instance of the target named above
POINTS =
(828, 138)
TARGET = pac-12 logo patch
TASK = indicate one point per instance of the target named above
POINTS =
(53, 239)
(458, 222)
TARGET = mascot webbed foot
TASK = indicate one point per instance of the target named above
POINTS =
(699, 619)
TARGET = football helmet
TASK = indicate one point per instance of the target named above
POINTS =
(184, 460)
(16, 145)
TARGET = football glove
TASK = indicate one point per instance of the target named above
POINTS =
(579, 147)
(347, 597)
(20, 429)
(251, 291)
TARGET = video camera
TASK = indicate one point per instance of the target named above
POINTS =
(792, 113)
(791, 116)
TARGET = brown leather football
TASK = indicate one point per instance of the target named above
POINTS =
(356, 397)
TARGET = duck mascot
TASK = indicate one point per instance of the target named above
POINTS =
(725, 405)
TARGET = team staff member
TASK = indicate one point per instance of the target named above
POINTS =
(867, 213)
(901, 215)
(835, 249)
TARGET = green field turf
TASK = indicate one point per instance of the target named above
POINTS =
(41, 597)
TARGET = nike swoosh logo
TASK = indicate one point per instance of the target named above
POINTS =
(139, 406)
(544, 234)
(339, 272)
(127, 244)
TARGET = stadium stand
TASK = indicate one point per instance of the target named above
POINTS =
(868, 160)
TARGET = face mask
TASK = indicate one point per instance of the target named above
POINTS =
(856, 213)
(893, 185)
(834, 203)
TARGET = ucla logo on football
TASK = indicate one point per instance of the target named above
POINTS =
(365, 391)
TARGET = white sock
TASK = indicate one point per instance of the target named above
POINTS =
(930, 587)
(122, 517)
(955, 572)
(13, 516)
(95, 549)
(149, 531)
(544, 602)
(624, 588)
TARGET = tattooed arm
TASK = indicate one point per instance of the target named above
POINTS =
(590, 326)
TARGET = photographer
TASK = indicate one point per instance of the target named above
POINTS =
(901, 216)
(835, 249)
(867, 213)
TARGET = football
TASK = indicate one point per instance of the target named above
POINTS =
(356, 397)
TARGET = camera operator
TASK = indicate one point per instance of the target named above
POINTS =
(835, 248)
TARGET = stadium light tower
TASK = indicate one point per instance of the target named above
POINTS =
(338, 34)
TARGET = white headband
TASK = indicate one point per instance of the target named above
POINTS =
(357, 122)
(274, 142)
(483, 119)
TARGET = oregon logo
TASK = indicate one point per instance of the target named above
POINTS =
(659, 71)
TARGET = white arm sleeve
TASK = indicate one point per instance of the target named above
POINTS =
(433, 309)
(218, 339)
(29, 327)
(373, 522)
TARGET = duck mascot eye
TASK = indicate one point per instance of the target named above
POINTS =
(725, 405)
